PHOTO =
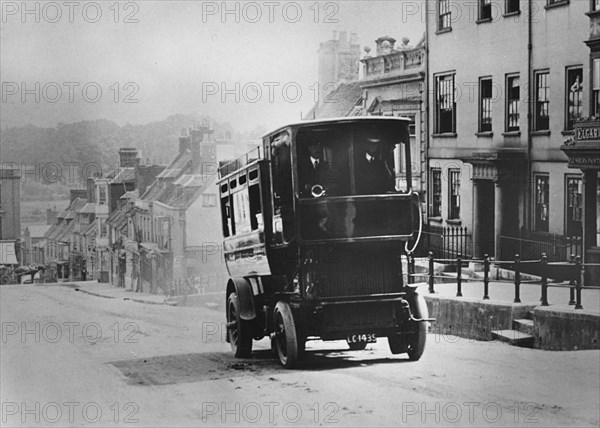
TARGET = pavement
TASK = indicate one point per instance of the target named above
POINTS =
(110, 291)
(530, 294)
(501, 292)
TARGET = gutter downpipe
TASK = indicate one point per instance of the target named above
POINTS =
(426, 114)
(530, 114)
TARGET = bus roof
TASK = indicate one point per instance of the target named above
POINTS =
(349, 119)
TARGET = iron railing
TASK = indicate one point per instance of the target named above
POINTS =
(232, 166)
(553, 274)
(530, 244)
(448, 242)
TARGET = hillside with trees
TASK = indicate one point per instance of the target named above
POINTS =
(71, 146)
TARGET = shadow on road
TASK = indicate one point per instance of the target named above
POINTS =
(197, 367)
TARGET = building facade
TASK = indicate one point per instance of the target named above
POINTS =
(173, 221)
(506, 84)
(338, 61)
(10, 203)
(583, 151)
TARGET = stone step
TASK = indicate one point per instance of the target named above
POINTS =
(524, 326)
(514, 337)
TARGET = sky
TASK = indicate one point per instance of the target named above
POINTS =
(247, 63)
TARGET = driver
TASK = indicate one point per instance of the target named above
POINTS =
(314, 170)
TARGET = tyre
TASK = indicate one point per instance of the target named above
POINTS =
(238, 330)
(286, 340)
(356, 346)
(416, 344)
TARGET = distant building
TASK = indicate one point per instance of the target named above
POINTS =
(107, 197)
(10, 203)
(173, 221)
(10, 223)
(33, 244)
(61, 243)
(338, 60)
(345, 100)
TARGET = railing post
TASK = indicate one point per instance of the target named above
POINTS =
(458, 276)
(431, 273)
(517, 279)
(486, 277)
(578, 282)
(544, 279)
(572, 282)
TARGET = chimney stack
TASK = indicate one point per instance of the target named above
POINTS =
(202, 151)
(51, 216)
(128, 157)
(184, 141)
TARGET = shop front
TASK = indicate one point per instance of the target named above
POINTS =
(583, 151)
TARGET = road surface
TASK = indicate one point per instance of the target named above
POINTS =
(72, 359)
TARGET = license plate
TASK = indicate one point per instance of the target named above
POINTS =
(356, 338)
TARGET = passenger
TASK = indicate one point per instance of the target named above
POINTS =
(373, 174)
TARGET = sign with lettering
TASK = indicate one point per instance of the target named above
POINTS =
(579, 161)
(587, 133)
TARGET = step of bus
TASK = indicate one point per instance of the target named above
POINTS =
(514, 337)
(524, 326)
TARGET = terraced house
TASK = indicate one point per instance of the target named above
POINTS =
(174, 221)
(500, 108)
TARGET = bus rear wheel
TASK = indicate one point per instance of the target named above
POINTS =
(286, 339)
(238, 330)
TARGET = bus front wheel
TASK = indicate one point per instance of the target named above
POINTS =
(416, 344)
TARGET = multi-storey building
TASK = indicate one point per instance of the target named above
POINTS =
(61, 243)
(10, 203)
(173, 220)
(507, 81)
(10, 222)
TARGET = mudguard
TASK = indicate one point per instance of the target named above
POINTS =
(243, 289)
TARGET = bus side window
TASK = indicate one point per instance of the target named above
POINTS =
(241, 210)
(256, 217)
(226, 216)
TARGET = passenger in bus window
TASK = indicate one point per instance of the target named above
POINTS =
(373, 175)
(314, 170)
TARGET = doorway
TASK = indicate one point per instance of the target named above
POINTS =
(485, 218)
